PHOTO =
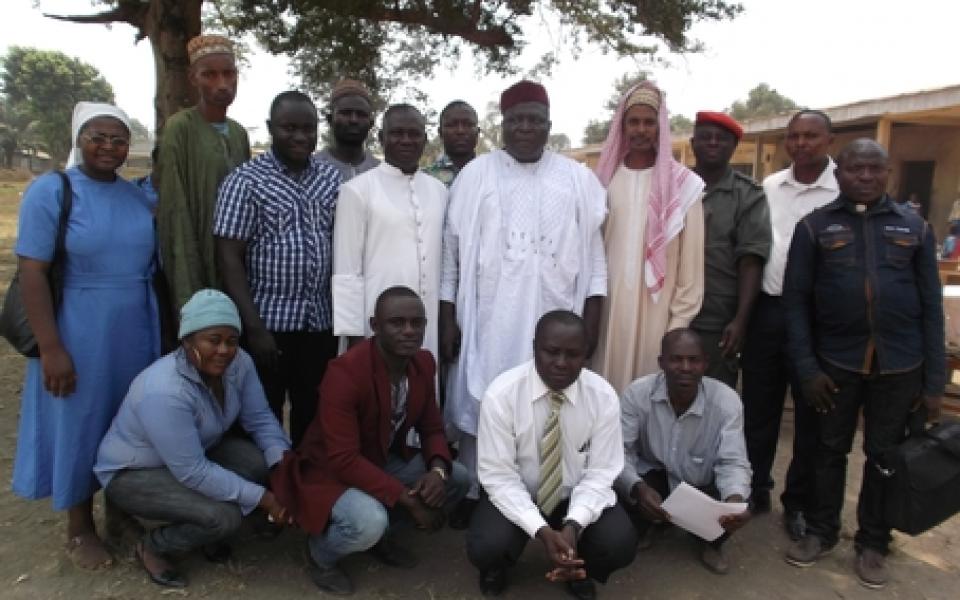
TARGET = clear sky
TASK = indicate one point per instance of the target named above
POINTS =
(818, 52)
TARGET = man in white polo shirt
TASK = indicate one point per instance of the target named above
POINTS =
(792, 193)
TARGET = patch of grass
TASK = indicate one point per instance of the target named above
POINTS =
(10, 194)
(15, 175)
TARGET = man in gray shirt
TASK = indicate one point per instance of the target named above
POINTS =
(679, 426)
(350, 119)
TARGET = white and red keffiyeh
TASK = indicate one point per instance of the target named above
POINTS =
(666, 206)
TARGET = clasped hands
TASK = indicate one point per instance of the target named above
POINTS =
(561, 548)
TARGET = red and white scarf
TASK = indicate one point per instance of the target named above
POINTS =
(666, 207)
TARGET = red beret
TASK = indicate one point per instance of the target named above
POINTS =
(722, 119)
(524, 91)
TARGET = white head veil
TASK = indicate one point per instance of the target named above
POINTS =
(84, 112)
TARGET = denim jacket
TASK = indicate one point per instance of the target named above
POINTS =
(169, 418)
(862, 292)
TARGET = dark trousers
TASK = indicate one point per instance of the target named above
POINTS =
(303, 361)
(658, 481)
(493, 542)
(721, 368)
(194, 519)
(886, 401)
(766, 375)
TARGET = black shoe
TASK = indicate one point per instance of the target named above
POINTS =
(331, 580)
(168, 577)
(807, 551)
(795, 524)
(493, 582)
(760, 502)
(218, 553)
(460, 517)
(582, 589)
(391, 554)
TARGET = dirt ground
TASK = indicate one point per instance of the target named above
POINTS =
(33, 565)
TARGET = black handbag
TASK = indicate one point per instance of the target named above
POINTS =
(13, 318)
(922, 478)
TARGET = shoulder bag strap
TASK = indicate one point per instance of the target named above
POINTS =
(60, 247)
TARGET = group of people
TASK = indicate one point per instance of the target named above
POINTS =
(510, 343)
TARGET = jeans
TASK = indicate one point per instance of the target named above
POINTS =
(886, 402)
(194, 519)
(467, 445)
(766, 375)
(303, 361)
(358, 520)
(494, 542)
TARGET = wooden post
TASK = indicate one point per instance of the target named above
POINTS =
(884, 128)
(758, 159)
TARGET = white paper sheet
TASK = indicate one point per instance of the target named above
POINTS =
(697, 512)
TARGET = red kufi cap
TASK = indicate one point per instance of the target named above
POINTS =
(524, 91)
(722, 119)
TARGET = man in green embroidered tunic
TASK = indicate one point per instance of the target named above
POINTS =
(198, 148)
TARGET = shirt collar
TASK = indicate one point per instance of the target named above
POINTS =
(725, 183)
(279, 165)
(885, 204)
(827, 180)
(513, 163)
(659, 394)
(391, 170)
(538, 389)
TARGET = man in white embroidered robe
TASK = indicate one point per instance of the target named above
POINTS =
(522, 237)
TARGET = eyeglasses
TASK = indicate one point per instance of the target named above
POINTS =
(99, 139)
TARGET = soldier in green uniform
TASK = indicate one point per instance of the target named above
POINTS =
(737, 226)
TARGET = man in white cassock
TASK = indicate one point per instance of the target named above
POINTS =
(388, 230)
(522, 237)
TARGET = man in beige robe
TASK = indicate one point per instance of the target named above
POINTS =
(653, 239)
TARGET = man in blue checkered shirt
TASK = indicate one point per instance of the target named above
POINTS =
(273, 228)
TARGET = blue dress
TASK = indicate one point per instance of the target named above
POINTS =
(107, 321)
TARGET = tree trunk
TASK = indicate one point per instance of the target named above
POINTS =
(169, 24)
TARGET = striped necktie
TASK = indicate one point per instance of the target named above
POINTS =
(551, 469)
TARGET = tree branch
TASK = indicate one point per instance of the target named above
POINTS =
(130, 12)
(464, 28)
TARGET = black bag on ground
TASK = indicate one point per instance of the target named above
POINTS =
(922, 478)
(13, 318)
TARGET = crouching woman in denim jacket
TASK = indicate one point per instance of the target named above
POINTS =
(167, 456)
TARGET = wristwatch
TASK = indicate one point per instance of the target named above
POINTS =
(577, 527)
(441, 472)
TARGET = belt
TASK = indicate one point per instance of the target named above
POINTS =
(103, 280)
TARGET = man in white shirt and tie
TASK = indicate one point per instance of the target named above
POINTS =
(549, 450)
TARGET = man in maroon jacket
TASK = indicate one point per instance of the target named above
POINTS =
(355, 471)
